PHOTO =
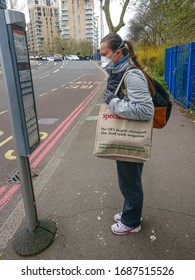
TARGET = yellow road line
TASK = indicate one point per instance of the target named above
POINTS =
(5, 141)
(8, 155)
(43, 135)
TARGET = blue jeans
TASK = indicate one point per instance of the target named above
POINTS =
(130, 183)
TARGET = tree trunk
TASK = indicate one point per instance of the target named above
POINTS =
(121, 23)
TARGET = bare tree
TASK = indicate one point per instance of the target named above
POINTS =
(163, 22)
(106, 8)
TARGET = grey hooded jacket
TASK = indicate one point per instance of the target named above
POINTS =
(140, 105)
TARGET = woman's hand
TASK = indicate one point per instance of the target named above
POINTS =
(108, 96)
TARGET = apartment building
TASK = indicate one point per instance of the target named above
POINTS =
(53, 3)
(73, 20)
(44, 25)
(78, 22)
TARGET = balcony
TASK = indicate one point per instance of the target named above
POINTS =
(38, 22)
(89, 29)
(65, 32)
(64, 8)
(64, 12)
(66, 37)
(57, 24)
(89, 12)
(40, 36)
(88, 18)
(66, 28)
(89, 35)
(89, 22)
(64, 18)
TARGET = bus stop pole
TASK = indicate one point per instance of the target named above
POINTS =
(28, 193)
(38, 235)
(22, 162)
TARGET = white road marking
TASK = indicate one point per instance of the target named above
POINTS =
(56, 70)
(43, 94)
(1, 113)
(44, 76)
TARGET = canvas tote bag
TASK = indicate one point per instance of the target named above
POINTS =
(122, 139)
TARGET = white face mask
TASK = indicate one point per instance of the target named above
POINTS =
(106, 62)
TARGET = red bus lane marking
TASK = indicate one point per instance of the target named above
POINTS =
(53, 138)
(40, 147)
(62, 131)
(5, 199)
(3, 189)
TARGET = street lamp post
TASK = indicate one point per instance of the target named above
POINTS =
(101, 21)
(11, 4)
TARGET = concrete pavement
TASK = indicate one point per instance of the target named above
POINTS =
(80, 193)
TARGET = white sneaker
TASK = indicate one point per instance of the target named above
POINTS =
(117, 217)
(121, 229)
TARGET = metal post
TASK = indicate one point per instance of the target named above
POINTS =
(28, 193)
(11, 4)
(189, 84)
(101, 21)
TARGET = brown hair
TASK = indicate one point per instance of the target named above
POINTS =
(115, 43)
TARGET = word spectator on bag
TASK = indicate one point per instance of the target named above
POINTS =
(112, 116)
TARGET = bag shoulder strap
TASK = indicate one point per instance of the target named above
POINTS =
(122, 79)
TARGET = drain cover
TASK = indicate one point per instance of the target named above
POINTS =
(14, 178)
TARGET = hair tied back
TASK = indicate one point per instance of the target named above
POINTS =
(126, 45)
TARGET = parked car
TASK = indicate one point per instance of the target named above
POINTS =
(72, 57)
(84, 57)
(44, 57)
(37, 57)
(50, 58)
(57, 57)
(32, 57)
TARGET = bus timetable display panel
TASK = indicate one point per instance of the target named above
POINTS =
(26, 88)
